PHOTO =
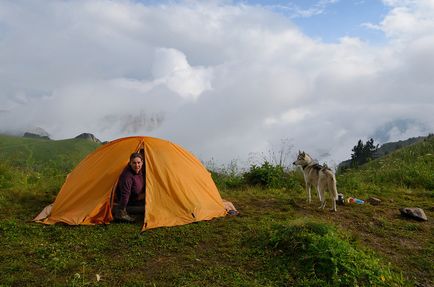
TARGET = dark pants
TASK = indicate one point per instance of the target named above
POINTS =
(136, 208)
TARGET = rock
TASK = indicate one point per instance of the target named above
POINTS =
(88, 136)
(35, 136)
(414, 213)
(36, 132)
(374, 201)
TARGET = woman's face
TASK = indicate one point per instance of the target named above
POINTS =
(136, 164)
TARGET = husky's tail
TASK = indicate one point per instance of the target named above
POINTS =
(332, 183)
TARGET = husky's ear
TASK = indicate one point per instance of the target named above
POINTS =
(303, 153)
(299, 152)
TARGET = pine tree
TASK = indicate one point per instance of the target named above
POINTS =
(363, 153)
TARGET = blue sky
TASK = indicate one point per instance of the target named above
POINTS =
(331, 20)
(223, 78)
(325, 20)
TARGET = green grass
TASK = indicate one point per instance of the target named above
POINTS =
(278, 240)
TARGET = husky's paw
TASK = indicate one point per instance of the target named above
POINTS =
(333, 209)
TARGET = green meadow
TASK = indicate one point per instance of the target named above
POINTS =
(277, 240)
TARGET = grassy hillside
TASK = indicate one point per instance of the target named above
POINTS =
(37, 154)
(409, 167)
(42, 155)
(387, 148)
(278, 240)
(32, 170)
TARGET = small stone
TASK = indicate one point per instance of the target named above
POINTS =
(414, 213)
(374, 201)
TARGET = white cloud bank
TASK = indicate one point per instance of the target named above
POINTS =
(221, 79)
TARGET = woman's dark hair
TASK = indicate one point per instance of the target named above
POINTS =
(136, 154)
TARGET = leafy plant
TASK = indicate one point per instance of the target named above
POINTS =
(269, 176)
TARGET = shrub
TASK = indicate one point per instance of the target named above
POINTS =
(269, 176)
(228, 181)
(226, 176)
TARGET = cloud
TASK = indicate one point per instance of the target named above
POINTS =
(408, 20)
(172, 68)
(219, 78)
(295, 11)
(292, 116)
(400, 129)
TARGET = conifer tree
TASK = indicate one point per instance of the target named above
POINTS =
(363, 153)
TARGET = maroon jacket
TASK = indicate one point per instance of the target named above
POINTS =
(130, 186)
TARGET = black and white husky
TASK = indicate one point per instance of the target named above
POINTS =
(319, 176)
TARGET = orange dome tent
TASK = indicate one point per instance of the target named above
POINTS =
(179, 190)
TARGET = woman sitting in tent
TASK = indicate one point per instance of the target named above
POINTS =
(130, 191)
